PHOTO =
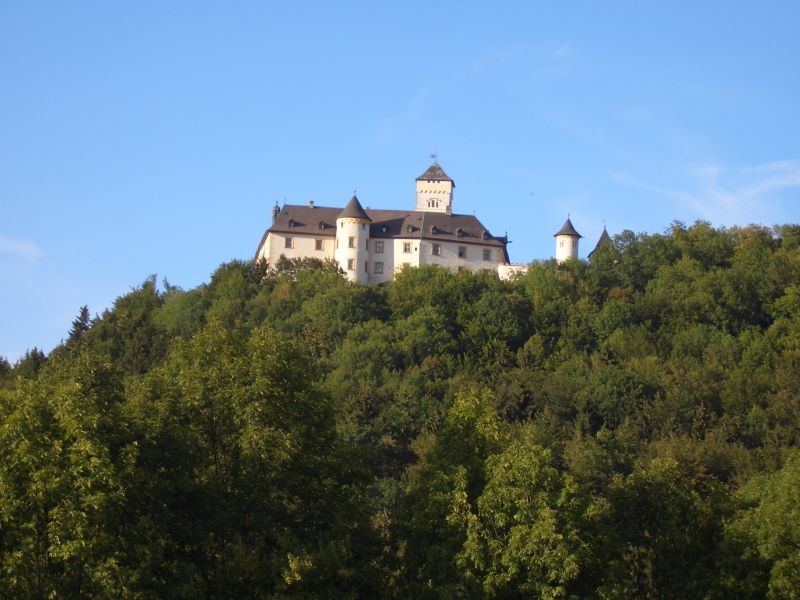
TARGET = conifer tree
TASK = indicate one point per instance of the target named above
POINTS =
(80, 325)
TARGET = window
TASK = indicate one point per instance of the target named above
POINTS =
(487, 254)
(288, 243)
(462, 252)
(351, 264)
(378, 247)
(378, 268)
(366, 266)
(561, 244)
(351, 242)
(436, 250)
(406, 247)
(318, 245)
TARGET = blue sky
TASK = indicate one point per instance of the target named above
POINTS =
(154, 137)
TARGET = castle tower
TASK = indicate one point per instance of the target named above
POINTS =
(352, 237)
(435, 190)
(604, 239)
(566, 242)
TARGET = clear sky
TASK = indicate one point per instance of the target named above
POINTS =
(154, 137)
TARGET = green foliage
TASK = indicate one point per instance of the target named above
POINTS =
(770, 528)
(626, 427)
(30, 364)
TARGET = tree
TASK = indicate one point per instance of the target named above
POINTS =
(31, 363)
(241, 477)
(523, 532)
(63, 459)
(450, 473)
(80, 325)
(772, 526)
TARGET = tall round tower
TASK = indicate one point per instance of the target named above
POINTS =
(566, 242)
(352, 238)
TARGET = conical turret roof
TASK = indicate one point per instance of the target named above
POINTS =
(353, 210)
(435, 173)
(604, 239)
(567, 229)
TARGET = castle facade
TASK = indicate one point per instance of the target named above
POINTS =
(370, 245)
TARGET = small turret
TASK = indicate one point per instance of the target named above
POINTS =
(566, 242)
(276, 210)
(352, 238)
(604, 239)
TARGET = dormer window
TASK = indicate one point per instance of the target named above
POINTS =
(485, 235)
(321, 225)
(291, 222)
(459, 232)
(384, 229)
(409, 229)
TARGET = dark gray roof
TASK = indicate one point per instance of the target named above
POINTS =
(435, 173)
(353, 210)
(320, 221)
(604, 239)
(567, 229)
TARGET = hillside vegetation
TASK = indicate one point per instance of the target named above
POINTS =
(625, 427)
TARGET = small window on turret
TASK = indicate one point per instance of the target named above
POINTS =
(351, 242)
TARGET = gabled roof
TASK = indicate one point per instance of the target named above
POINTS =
(320, 221)
(567, 229)
(435, 173)
(353, 210)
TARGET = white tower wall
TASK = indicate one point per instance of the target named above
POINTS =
(352, 260)
(435, 196)
(566, 247)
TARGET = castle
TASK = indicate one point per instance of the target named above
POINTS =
(371, 245)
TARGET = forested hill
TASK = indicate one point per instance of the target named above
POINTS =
(625, 427)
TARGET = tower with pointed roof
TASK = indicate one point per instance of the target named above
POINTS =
(435, 191)
(352, 241)
(566, 242)
(604, 239)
